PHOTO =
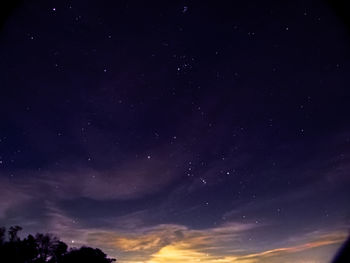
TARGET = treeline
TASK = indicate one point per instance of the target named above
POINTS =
(44, 248)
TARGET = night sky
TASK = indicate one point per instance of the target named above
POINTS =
(178, 131)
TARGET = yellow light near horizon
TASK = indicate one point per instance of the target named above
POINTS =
(176, 253)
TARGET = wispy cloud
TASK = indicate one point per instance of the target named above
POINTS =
(174, 242)
(147, 173)
(12, 196)
(332, 239)
(186, 251)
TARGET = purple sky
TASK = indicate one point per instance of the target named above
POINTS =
(178, 131)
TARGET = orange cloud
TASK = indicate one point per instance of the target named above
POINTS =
(196, 247)
(223, 244)
(333, 238)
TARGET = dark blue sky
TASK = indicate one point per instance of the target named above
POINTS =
(176, 131)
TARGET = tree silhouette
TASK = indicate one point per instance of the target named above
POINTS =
(13, 237)
(44, 248)
(28, 249)
(343, 255)
(2, 235)
(86, 254)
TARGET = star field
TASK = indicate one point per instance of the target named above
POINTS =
(178, 131)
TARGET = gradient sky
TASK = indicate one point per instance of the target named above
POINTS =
(178, 131)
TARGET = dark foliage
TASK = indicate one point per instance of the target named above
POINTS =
(44, 248)
(343, 255)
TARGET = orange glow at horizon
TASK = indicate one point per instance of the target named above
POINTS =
(213, 246)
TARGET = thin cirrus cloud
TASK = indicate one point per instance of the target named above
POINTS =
(128, 180)
(11, 197)
(200, 248)
(132, 178)
(174, 243)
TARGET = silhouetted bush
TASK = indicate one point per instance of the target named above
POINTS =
(343, 255)
(44, 248)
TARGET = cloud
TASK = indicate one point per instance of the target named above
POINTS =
(150, 238)
(179, 243)
(12, 196)
(130, 179)
(174, 243)
(177, 253)
(285, 250)
(161, 241)
(187, 252)
(147, 242)
(154, 238)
